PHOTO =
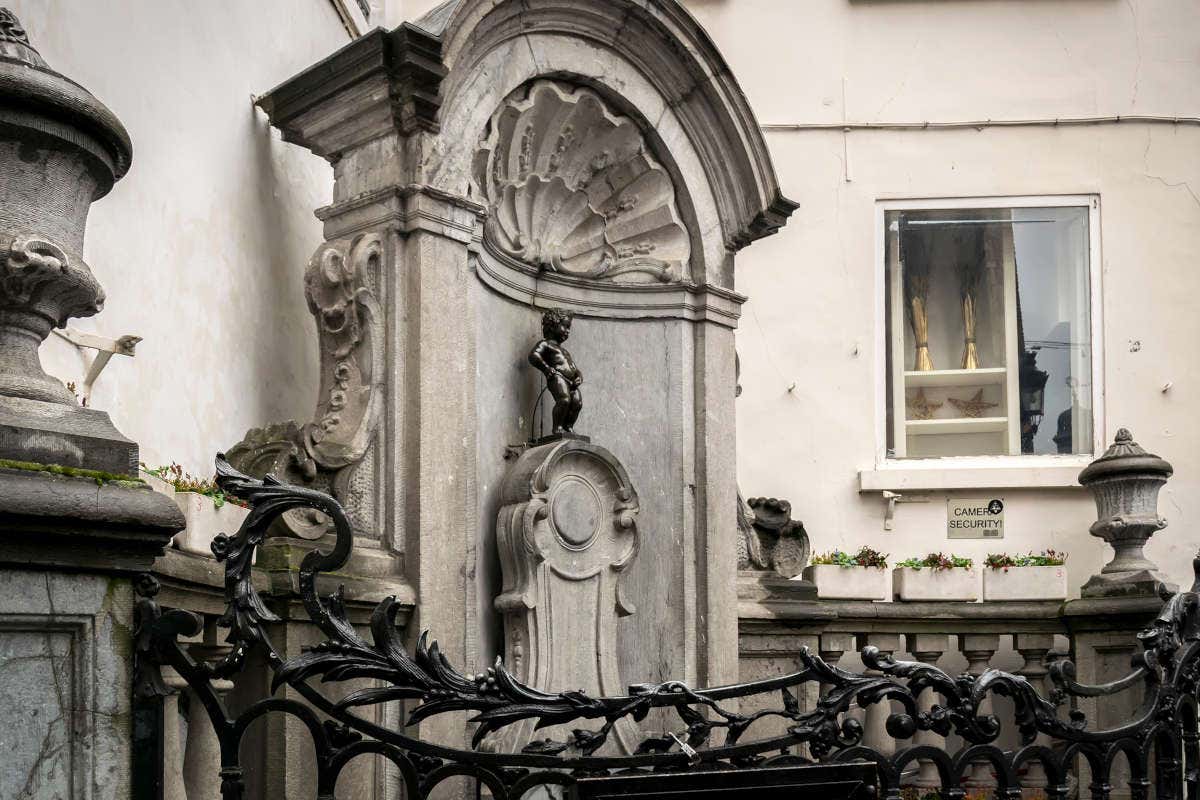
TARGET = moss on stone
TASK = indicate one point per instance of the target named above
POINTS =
(99, 476)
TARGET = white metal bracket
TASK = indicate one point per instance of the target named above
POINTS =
(889, 514)
(105, 348)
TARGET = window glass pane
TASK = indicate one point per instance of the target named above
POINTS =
(988, 315)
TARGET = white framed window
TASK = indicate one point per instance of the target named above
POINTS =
(989, 332)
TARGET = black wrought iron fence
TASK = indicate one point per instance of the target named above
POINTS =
(1160, 742)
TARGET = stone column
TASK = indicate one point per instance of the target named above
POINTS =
(76, 521)
(928, 648)
(979, 649)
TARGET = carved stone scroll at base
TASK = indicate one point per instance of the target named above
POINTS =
(565, 533)
(340, 288)
(769, 539)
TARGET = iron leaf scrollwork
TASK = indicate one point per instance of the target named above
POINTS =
(1168, 668)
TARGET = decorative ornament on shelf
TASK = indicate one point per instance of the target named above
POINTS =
(968, 283)
(974, 407)
(921, 406)
(915, 255)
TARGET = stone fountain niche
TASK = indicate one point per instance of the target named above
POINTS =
(511, 156)
(583, 215)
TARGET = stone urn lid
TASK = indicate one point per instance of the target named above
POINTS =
(34, 96)
(1124, 457)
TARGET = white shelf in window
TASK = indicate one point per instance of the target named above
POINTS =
(986, 376)
(928, 427)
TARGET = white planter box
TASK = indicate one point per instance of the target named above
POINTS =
(958, 583)
(849, 583)
(1025, 583)
(205, 521)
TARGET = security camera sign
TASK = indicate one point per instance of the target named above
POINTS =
(975, 518)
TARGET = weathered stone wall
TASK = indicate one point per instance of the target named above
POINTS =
(66, 649)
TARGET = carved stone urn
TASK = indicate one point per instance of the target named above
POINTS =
(60, 149)
(1125, 482)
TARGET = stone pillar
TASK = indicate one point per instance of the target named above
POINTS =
(76, 521)
(928, 648)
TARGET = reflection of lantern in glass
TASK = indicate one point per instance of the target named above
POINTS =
(1033, 398)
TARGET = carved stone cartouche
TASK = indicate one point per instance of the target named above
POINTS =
(566, 534)
(769, 539)
(339, 287)
(572, 188)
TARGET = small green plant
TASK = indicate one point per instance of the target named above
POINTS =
(938, 561)
(865, 557)
(1004, 561)
(186, 482)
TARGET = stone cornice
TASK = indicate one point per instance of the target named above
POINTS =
(407, 208)
(382, 82)
(606, 299)
(72, 523)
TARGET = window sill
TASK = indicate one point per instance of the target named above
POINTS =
(975, 473)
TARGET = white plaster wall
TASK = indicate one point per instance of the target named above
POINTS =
(812, 288)
(203, 245)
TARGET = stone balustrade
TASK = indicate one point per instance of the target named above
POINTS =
(1024, 638)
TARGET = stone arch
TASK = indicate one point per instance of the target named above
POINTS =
(653, 61)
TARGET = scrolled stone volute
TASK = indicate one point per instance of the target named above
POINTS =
(1125, 482)
(60, 149)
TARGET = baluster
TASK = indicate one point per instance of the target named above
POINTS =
(831, 647)
(928, 648)
(875, 726)
(1033, 647)
(202, 756)
(978, 648)
(172, 768)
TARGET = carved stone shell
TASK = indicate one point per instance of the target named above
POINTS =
(572, 188)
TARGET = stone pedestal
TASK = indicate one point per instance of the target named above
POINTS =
(566, 534)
